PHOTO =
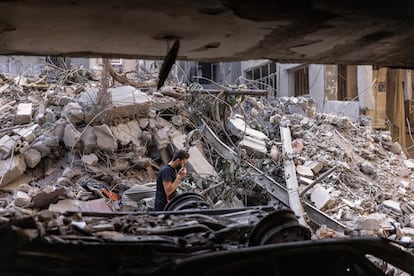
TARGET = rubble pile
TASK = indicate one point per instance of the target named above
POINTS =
(64, 149)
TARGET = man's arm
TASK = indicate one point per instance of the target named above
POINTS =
(171, 186)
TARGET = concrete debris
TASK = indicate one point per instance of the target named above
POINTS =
(11, 168)
(90, 159)
(73, 113)
(24, 113)
(6, 146)
(28, 134)
(235, 160)
(320, 196)
(71, 136)
(373, 222)
(22, 199)
(128, 101)
(88, 139)
(32, 157)
(105, 140)
(304, 171)
(162, 138)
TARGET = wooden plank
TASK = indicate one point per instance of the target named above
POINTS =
(290, 175)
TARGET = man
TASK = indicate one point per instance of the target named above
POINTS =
(168, 180)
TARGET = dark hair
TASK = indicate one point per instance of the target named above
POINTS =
(181, 154)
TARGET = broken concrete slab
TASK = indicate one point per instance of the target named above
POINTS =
(44, 144)
(28, 134)
(197, 162)
(88, 139)
(6, 146)
(135, 132)
(24, 113)
(128, 101)
(304, 171)
(373, 222)
(73, 112)
(253, 146)
(163, 103)
(90, 159)
(237, 126)
(122, 134)
(143, 122)
(393, 205)
(162, 138)
(320, 196)
(71, 137)
(105, 140)
(11, 168)
(96, 205)
(32, 157)
(315, 166)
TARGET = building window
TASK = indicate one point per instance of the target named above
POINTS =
(208, 71)
(341, 82)
(301, 81)
(116, 61)
(263, 77)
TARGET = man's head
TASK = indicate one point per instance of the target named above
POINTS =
(180, 158)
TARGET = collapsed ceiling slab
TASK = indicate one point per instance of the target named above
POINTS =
(351, 32)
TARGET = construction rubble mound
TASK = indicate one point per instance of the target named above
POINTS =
(69, 148)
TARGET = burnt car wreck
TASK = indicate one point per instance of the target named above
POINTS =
(187, 241)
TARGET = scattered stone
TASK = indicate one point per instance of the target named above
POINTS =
(24, 113)
(6, 146)
(74, 113)
(409, 163)
(28, 134)
(143, 122)
(90, 159)
(161, 137)
(88, 139)
(392, 205)
(253, 146)
(32, 157)
(44, 144)
(320, 196)
(71, 136)
(315, 166)
(128, 101)
(22, 199)
(122, 134)
(373, 222)
(11, 168)
(367, 168)
(135, 132)
(304, 171)
(105, 139)
(396, 148)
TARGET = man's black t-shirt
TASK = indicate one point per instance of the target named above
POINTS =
(167, 173)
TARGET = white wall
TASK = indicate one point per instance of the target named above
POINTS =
(284, 86)
(317, 84)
